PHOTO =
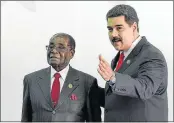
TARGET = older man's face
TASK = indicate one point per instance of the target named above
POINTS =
(121, 32)
(59, 52)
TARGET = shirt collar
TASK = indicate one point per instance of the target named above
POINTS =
(63, 72)
(126, 53)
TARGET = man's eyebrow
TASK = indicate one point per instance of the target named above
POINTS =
(118, 25)
(109, 27)
(60, 44)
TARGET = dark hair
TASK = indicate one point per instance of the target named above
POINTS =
(124, 10)
(64, 35)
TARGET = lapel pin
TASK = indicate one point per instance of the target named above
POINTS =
(70, 86)
(128, 61)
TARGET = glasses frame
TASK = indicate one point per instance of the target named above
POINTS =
(57, 48)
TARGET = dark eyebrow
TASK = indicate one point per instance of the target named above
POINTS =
(109, 27)
(114, 26)
(119, 25)
(60, 44)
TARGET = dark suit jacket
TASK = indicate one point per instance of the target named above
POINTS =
(37, 105)
(140, 89)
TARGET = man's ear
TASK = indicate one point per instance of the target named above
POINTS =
(72, 52)
(135, 26)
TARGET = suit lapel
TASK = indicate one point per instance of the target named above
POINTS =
(71, 79)
(129, 60)
(114, 61)
(44, 83)
(132, 56)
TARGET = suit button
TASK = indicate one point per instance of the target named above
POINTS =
(54, 112)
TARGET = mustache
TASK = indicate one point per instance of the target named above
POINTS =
(53, 56)
(116, 39)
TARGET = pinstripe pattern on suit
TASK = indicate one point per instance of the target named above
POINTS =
(37, 105)
(140, 89)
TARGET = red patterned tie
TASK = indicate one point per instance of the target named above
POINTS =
(120, 61)
(55, 92)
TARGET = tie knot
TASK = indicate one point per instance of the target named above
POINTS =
(57, 75)
(122, 55)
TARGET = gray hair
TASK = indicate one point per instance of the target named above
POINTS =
(124, 10)
(64, 35)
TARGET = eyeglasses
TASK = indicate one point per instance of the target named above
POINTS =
(57, 48)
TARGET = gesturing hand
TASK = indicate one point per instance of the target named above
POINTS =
(104, 69)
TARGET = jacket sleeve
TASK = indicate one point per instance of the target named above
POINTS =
(26, 106)
(93, 104)
(151, 76)
(101, 96)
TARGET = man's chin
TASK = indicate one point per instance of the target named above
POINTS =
(54, 62)
(117, 48)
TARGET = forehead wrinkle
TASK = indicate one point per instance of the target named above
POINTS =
(62, 40)
(114, 21)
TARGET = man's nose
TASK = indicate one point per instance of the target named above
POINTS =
(115, 33)
(54, 50)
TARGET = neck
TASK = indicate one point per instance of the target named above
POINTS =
(136, 36)
(58, 68)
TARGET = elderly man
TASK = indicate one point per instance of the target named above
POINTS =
(60, 92)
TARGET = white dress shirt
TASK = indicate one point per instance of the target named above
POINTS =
(126, 53)
(63, 74)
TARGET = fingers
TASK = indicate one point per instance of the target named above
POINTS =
(104, 69)
(100, 57)
(103, 75)
(103, 60)
(104, 66)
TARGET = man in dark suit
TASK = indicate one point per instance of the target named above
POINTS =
(136, 82)
(60, 92)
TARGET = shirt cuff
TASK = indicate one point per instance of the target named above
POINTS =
(112, 82)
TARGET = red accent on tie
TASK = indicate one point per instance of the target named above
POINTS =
(120, 61)
(55, 92)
